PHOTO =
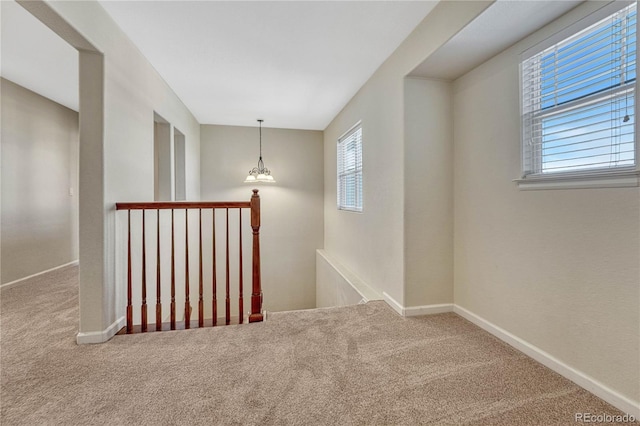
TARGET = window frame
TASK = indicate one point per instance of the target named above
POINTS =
(623, 176)
(341, 174)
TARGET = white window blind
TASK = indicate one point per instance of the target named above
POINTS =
(578, 108)
(350, 170)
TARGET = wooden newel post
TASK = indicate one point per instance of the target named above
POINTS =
(256, 294)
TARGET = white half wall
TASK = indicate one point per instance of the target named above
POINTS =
(559, 269)
(336, 285)
(291, 209)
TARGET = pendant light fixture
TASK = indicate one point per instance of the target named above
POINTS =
(260, 173)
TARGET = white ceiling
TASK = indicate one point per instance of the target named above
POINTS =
(34, 57)
(293, 63)
(504, 23)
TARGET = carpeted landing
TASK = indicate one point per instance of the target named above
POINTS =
(356, 365)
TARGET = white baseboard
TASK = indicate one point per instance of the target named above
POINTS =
(22, 280)
(414, 311)
(392, 302)
(581, 379)
(101, 336)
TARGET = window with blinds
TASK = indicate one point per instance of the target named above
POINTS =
(578, 108)
(350, 170)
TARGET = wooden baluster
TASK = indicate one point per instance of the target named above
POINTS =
(187, 304)
(143, 309)
(227, 300)
(213, 272)
(256, 294)
(240, 301)
(173, 276)
(200, 299)
(129, 291)
(158, 284)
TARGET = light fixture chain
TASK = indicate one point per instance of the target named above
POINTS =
(260, 121)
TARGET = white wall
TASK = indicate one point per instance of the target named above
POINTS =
(120, 91)
(428, 192)
(162, 160)
(292, 220)
(39, 183)
(557, 268)
(371, 243)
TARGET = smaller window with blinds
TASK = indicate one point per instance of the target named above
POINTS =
(578, 101)
(350, 170)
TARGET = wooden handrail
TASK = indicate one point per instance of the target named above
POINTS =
(177, 205)
(256, 295)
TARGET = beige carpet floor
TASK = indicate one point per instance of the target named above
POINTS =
(357, 365)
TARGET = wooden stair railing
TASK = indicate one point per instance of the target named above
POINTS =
(255, 314)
